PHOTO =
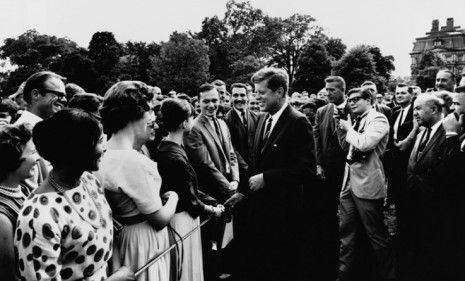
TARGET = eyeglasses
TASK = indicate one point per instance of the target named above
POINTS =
(60, 95)
(354, 99)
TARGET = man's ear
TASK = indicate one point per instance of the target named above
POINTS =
(35, 94)
(281, 92)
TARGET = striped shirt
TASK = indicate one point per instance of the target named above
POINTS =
(12, 199)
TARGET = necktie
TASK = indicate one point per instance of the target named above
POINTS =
(268, 128)
(424, 139)
(244, 118)
(357, 123)
(217, 129)
(400, 119)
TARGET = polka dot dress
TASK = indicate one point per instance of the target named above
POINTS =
(62, 236)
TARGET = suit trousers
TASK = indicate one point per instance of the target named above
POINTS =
(357, 215)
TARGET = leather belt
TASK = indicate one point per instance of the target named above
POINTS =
(131, 220)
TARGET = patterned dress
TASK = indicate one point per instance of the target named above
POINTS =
(65, 236)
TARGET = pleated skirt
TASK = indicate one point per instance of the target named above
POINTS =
(137, 244)
(192, 263)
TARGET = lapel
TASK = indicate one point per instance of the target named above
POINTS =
(250, 121)
(211, 131)
(278, 129)
(330, 119)
(432, 142)
(259, 132)
(238, 121)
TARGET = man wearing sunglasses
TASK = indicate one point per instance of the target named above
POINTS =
(44, 93)
(364, 187)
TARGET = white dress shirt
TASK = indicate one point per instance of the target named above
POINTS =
(275, 118)
(404, 115)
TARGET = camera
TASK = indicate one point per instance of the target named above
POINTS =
(358, 156)
(341, 113)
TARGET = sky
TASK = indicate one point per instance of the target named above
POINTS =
(390, 25)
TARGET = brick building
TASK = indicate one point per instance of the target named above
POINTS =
(447, 42)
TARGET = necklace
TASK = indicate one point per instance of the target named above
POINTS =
(58, 186)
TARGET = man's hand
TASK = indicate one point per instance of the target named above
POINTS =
(233, 200)
(233, 185)
(403, 144)
(256, 182)
(452, 125)
(345, 125)
(320, 172)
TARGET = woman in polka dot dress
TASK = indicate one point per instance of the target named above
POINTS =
(64, 230)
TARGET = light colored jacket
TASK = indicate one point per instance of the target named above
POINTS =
(367, 179)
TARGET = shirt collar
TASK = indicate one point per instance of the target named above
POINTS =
(29, 117)
(240, 112)
(435, 127)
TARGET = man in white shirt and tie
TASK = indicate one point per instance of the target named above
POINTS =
(400, 144)
(434, 214)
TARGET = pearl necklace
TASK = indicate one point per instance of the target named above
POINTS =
(58, 186)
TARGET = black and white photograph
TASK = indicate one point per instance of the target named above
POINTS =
(232, 140)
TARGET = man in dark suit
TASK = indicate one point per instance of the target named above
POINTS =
(434, 215)
(458, 106)
(242, 124)
(210, 150)
(400, 144)
(283, 161)
(330, 163)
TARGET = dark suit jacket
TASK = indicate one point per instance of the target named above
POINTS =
(404, 129)
(214, 162)
(396, 161)
(287, 162)
(435, 211)
(384, 109)
(242, 140)
(329, 153)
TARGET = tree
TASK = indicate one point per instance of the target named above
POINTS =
(425, 71)
(32, 52)
(314, 66)
(137, 61)
(294, 33)
(79, 68)
(182, 65)
(384, 65)
(105, 51)
(356, 66)
(335, 47)
(243, 69)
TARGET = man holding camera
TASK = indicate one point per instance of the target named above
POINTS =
(363, 189)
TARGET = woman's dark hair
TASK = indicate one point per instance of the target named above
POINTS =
(174, 112)
(68, 138)
(88, 102)
(9, 106)
(12, 141)
(124, 102)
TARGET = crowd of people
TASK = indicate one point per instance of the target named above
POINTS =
(291, 186)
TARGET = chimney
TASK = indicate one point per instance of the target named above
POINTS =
(450, 23)
(435, 26)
